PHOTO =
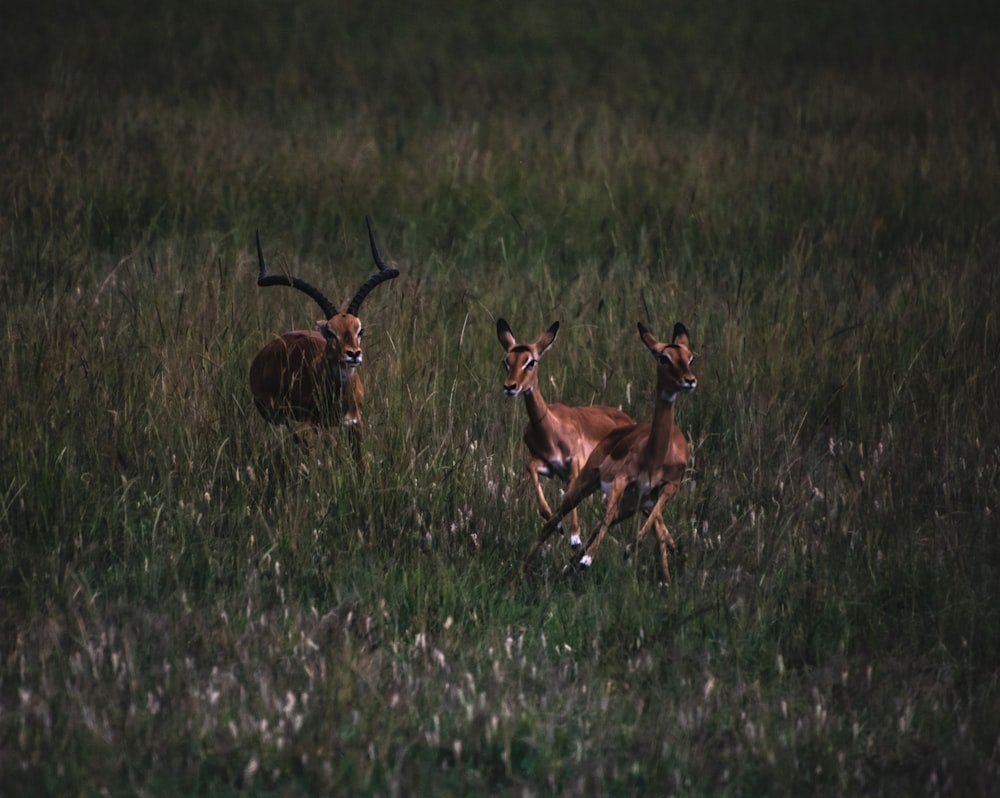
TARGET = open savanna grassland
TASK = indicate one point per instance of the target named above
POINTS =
(192, 604)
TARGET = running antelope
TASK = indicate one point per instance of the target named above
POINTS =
(639, 467)
(310, 376)
(559, 438)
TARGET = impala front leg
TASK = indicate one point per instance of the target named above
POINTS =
(615, 493)
(353, 427)
(536, 467)
(354, 433)
(574, 520)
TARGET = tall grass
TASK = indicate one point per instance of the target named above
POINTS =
(192, 603)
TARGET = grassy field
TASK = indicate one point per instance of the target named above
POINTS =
(190, 604)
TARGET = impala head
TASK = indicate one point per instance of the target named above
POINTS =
(521, 359)
(343, 334)
(673, 370)
(342, 331)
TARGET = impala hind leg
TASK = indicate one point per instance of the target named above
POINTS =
(640, 534)
(577, 493)
(578, 490)
(663, 536)
(666, 541)
(547, 531)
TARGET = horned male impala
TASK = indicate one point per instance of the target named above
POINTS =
(311, 376)
(639, 467)
(559, 438)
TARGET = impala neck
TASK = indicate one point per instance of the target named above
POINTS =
(535, 404)
(663, 420)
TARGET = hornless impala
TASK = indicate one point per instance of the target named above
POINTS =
(638, 467)
(559, 438)
(310, 375)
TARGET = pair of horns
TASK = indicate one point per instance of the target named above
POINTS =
(385, 272)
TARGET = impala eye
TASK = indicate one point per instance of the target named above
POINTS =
(529, 364)
(666, 360)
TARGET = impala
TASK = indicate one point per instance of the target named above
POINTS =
(310, 376)
(639, 467)
(559, 438)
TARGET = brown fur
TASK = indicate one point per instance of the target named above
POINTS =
(559, 438)
(639, 467)
(306, 376)
(310, 376)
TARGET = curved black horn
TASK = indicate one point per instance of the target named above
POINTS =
(265, 279)
(385, 272)
(382, 265)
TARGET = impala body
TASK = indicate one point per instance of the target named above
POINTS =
(639, 467)
(310, 376)
(559, 438)
(303, 376)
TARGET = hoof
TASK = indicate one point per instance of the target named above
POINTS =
(585, 562)
(575, 543)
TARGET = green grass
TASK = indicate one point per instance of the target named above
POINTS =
(191, 604)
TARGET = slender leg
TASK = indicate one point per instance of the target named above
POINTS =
(574, 520)
(534, 465)
(663, 535)
(577, 492)
(665, 494)
(615, 494)
(354, 433)
(352, 394)
(666, 541)
(547, 531)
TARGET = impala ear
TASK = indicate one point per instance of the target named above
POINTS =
(681, 335)
(649, 339)
(323, 327)
(546, 339)
(505, 335)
